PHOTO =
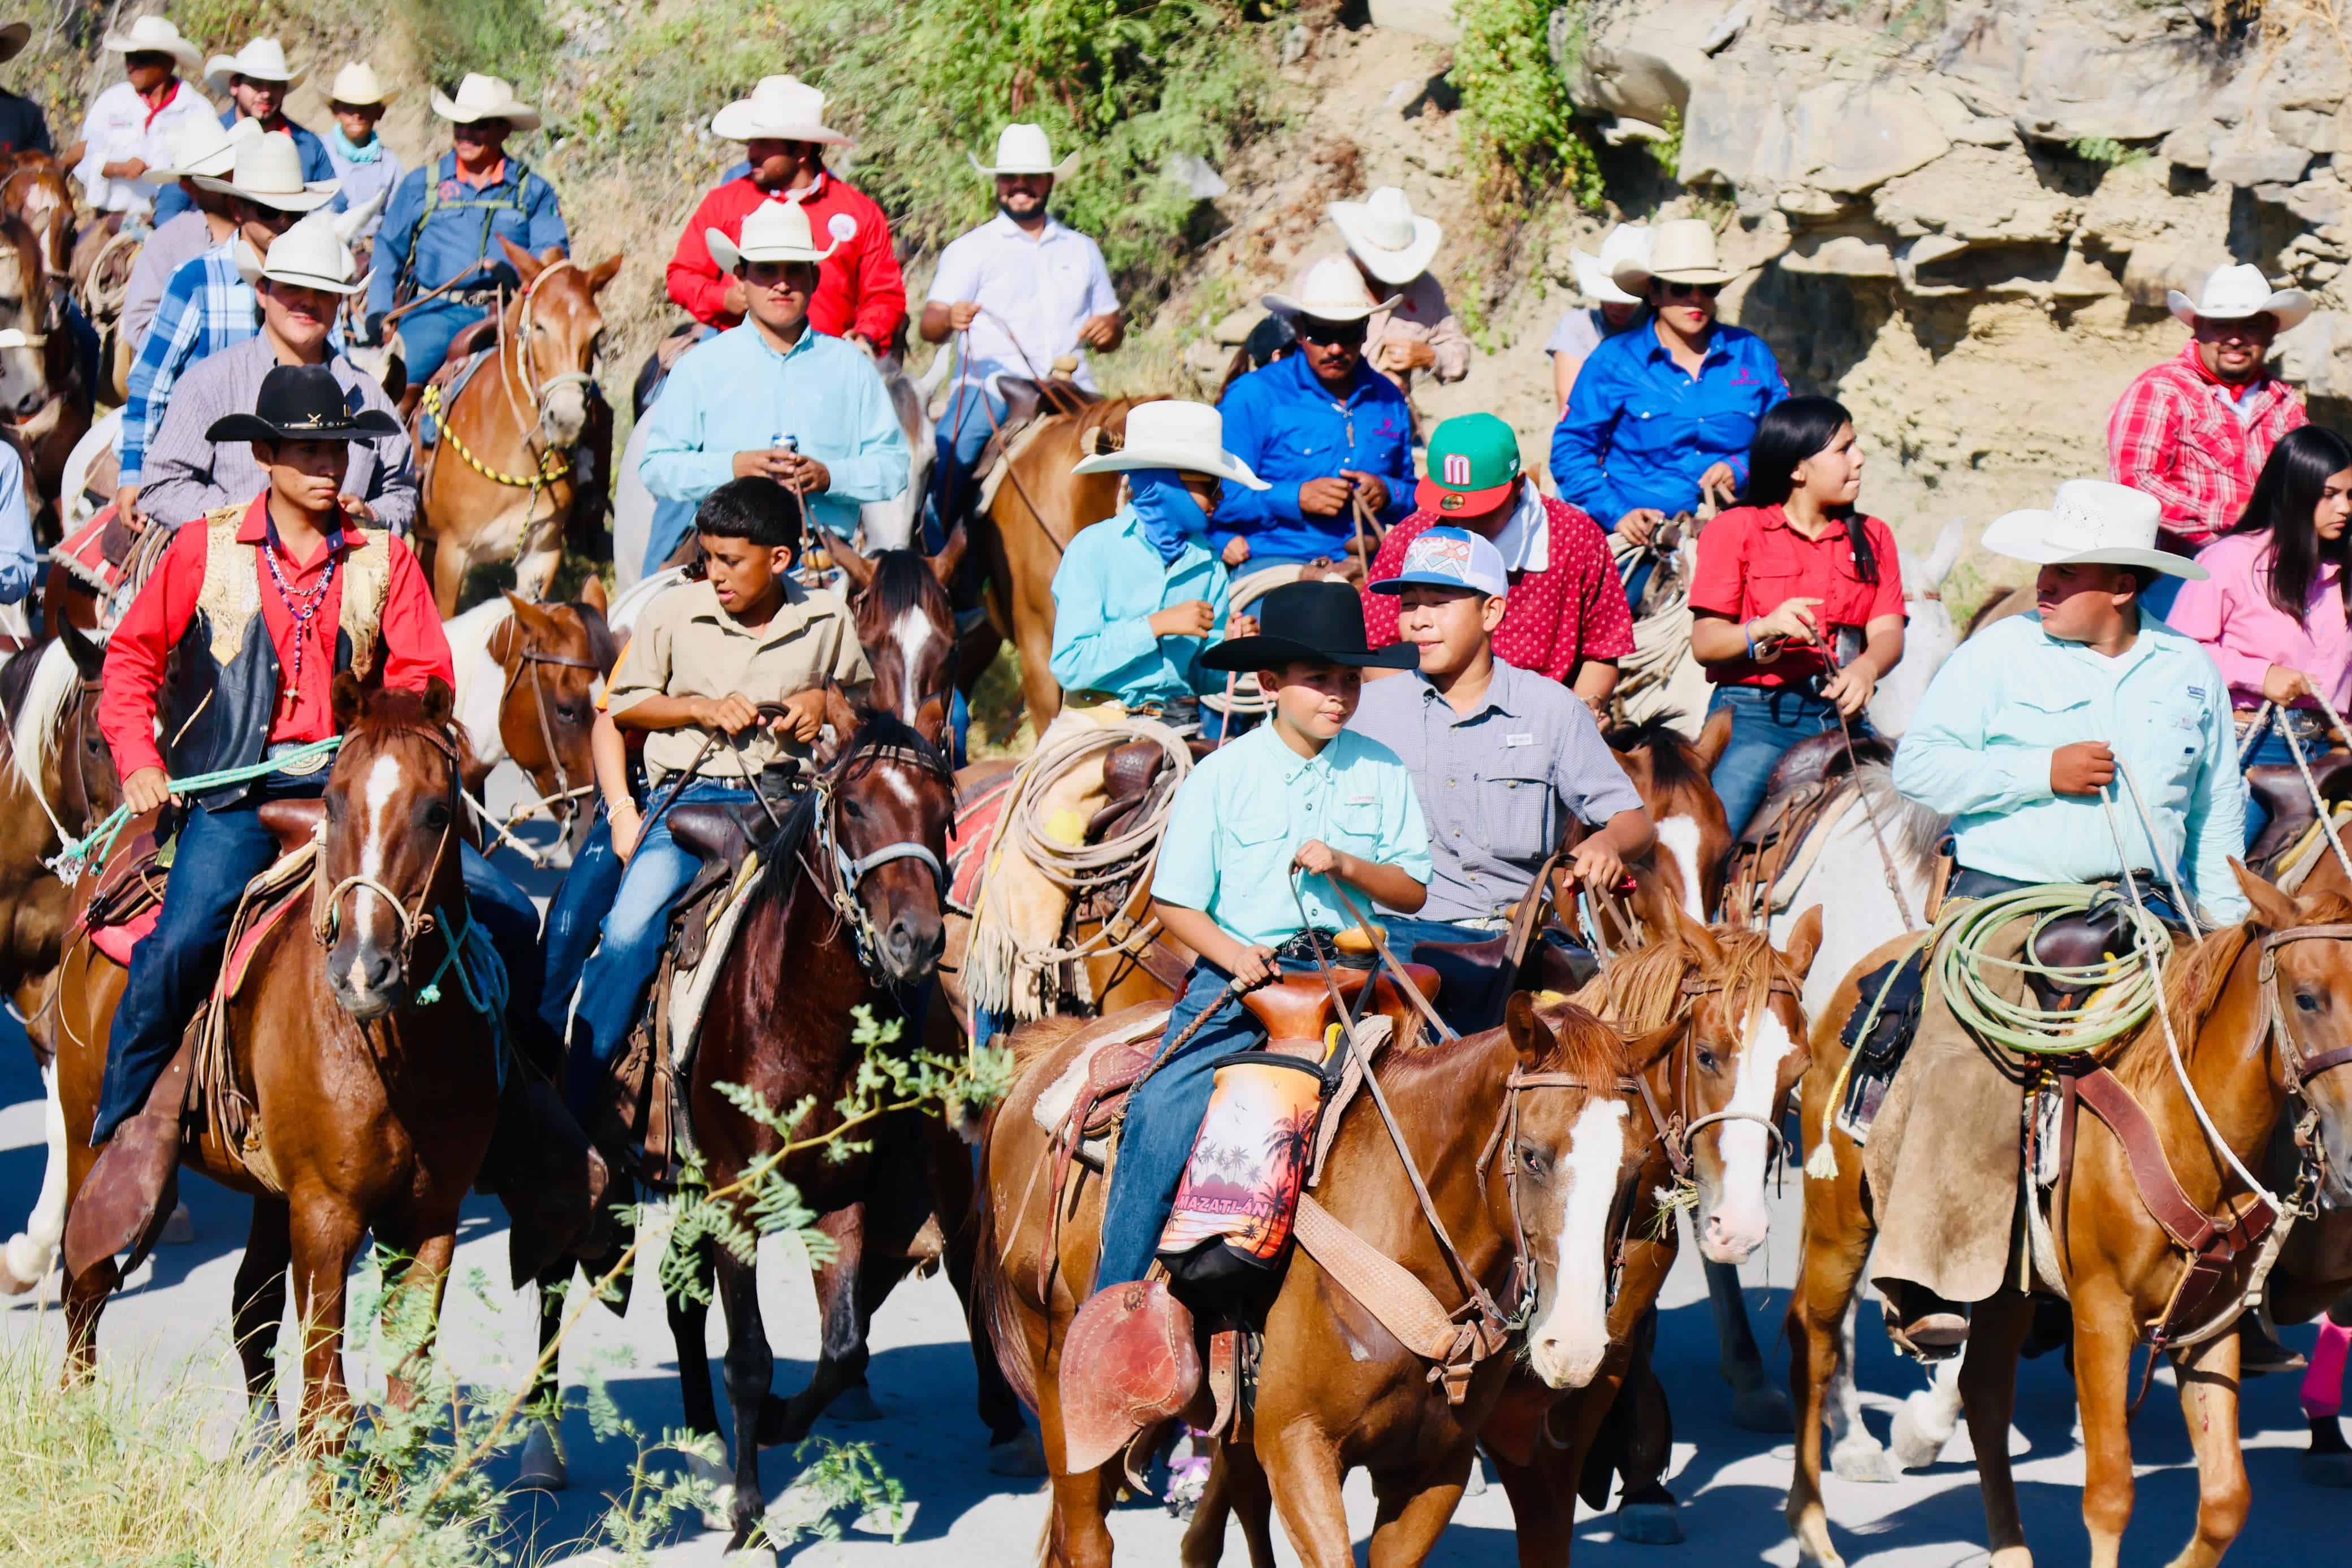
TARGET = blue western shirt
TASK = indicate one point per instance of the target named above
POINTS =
(1639, 432)
(1289, 428)
(460, 238)
(1111, 583)
(19, 564)
(1979, 749)
(207, 307)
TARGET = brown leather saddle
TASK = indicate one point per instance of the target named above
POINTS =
(1025, 402)
(2279, 789)
(1796, 797)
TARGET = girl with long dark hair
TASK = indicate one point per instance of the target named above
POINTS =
(1798, 598)
(2273, 612)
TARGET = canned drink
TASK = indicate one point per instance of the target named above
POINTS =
(783, 442)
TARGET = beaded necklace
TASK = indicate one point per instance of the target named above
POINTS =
(303, 607)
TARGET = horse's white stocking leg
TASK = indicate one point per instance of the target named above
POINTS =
(1854, 1453)
(1928, 1418)
(33, 1251)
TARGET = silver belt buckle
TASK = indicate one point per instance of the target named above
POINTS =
(302, 767)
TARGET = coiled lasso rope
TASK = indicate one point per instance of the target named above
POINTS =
(1661, 636)
(99, 842)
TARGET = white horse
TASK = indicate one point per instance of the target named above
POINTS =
(1928, 638)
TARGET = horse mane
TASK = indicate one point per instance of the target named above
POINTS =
(1674, 761)
(1584, 1045)
(2193, 983)
(875, 732)
(1917, 831)
(386, 711)
(1644, 986)
(902, 581)
(38, 700)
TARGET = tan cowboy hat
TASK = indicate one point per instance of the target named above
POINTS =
(1626, 242)
(153, 36)
(13, 38)
(783, 108)
(1681, 251)
(264, 60)
(2091, 523)
(1331, 290)
(2235, 293)
(268, 169)
(311, 254)
(1167, 434)
(1022, 148)
(1395, 244)
(203, 146)
(485, 98)
(356, 84)
(774, 232)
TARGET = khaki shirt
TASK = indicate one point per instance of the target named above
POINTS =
(684, 645)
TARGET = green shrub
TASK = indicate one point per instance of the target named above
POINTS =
(510, 39)
(1522, 133)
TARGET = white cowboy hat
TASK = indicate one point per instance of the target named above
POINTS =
(1331, 290)
(485, 98)
(1681, 251)
(13, 38)
(264, 60)
(1166, 433)
(357, 84)
(311, 254)
(1395, 244)
(268, 169)
(1022, 148)
(153, 36)
(2091, 523)
(773, 231)
(2234, 293)
(785, 109)
(203, 146)
(1626, 242)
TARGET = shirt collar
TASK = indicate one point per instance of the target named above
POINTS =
(449, 171)
(2155, 640)
(1718, 343)
(2196, 364)
(1524, 539)
(1004, 227)
(1287, 765)
(789, 616)
(1501, 695)
(255, 528)
(810, 193)
(1776, 516)
(809, 335)
(1307, 380)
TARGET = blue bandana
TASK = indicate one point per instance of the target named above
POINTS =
(349, 151)
(1170, 516)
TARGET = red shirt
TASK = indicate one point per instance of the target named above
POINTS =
(2177, 434)
(1750, 562)
(415, 651)
(1554, 620)
(859, 288)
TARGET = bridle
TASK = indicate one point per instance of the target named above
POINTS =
(1526, 1280)
(515, 368)
(842, 874)
(415, 921)
(535, 661)
(1680, 1128)
(2301, 1067)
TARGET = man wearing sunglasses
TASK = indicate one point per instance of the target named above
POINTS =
(1661, 417)
(1325, 430)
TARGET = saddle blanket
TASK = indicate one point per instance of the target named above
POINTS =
(429, 428)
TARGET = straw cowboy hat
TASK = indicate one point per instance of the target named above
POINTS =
(1022, 148)
(203, 146)
(13, 38)
(1166, 433)
(153, 36)
(485, 98)
(1331, 290)
(264, 60)
(783, 108)
(268, 169)
(356, 84)
(774, 232)
(1682, 251)
(1395, 244)
(1594, 280)
(2091, 523)
(2234, 293)
(311, 254)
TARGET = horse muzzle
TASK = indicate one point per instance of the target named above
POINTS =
(911, 945)
(368, 979)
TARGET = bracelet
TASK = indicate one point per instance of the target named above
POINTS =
(1747, 629)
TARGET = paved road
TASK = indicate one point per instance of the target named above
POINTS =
(174, 1312)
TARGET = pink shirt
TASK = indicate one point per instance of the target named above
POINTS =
(2232, 613)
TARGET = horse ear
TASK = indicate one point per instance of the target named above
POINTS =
(604, 272)
(839, 712)
(1530, 1036)
(345, 698)
(931, 722)
(527, 266)
(857, 568)
(1713, 738)
(89, 655)
(2274, 909)
(943, 565)
(1644, 1052)
(440, 703)
(1694, 932)
(592, 595)
(1804, 941)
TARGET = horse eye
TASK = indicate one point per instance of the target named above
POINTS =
(1706, 1061)
(2306, 1002)
(1529, 1158)
(854, 809)
(572, 713)
(436, 815)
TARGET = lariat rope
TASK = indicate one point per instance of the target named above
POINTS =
(99, 843)
(481, 976)
(2327, 814)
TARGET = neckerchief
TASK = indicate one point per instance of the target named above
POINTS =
(1170, 516)
(350, 152)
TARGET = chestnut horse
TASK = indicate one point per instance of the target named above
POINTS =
(43, 399)
(372, 1108)
(2245, 1049)
(507, 470)
(1038, 509)
(526, 693)
(898, 599)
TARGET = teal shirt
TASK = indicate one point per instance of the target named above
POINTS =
(1979, 750)
(734, 393)
(1241, 815)
(1111, 583)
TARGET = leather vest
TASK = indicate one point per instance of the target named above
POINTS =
(224, 692)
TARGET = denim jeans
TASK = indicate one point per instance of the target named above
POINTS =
(573, 915)
(973, 415)
(613, 983)
(426, 332)
(507, 916)
(1469, 996)
(2270, 751)
(1765, 721)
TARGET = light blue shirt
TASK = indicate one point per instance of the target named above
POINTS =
(1240, 816)
(19, 565)
(1980, 746)
(1111, 583)
(734, 393)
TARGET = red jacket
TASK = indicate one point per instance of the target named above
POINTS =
(858, 289)
(415, 651)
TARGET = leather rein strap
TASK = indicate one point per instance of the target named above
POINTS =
(1677, 1131)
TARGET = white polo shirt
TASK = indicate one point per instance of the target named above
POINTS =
(1033, 294)
(119, 126)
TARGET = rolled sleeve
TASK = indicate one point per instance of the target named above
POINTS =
(1718, 582)
(416, 651)
(644, 669)
(1887, 599)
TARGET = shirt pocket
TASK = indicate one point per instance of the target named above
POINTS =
(2042, 720)
(1354, 824)
(1517, 809)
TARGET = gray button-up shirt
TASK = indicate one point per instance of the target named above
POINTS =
(1494, 782)
(185, 476)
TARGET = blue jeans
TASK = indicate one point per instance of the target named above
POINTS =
(573, 915)
(507, 916)
(1469, 996)
(973, 417)
(613, 983)
(426, 332)
(1765, 721)
(2270, 751)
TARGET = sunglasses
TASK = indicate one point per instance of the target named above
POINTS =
(1348, 333)
(1691, 290)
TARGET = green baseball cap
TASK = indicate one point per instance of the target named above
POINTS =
(1473, 461)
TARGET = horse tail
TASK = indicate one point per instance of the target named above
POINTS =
(992, 1309)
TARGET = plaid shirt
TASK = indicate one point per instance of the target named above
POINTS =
(2175, 435)
(207, 308)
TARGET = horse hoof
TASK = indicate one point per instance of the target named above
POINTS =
(180, 1229)
(542, 1466)
(719, 1509)
(1649, 1524)
(2328, 1470)
(24, 1264)
(1916, 1448)
(1023, 1456)
(854, 1402)
(1858, 1457)
(1762, 1409)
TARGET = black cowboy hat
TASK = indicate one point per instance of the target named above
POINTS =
(1317, 622)
(303, 403)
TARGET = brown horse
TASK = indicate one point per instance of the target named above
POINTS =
(1039, 508)
(1671, 773)
(34, 188)
(43, 399)
(371, 1108)
(502, 479)
(904, 621)
(526, 693)
(2255, 1004)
